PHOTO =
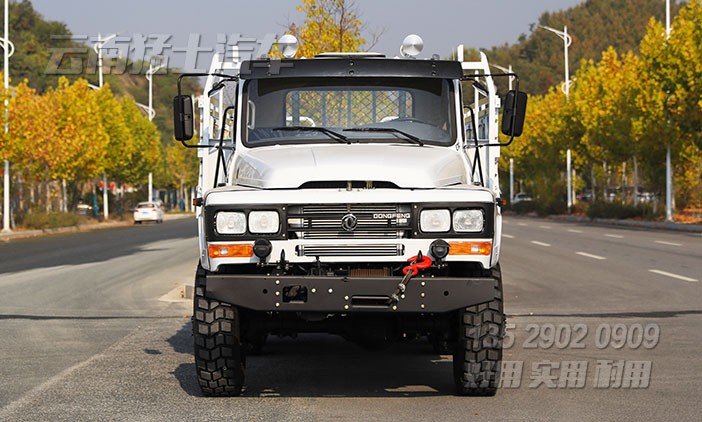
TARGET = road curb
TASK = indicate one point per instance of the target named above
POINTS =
(649, 225)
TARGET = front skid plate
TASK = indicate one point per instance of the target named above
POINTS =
(346, 295)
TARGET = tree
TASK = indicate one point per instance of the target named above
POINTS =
(145, 147)
(594, 25)
(330, 25)
(33, 37)
(671, 103)
(182, 168)
(79, 151)
(121, 146)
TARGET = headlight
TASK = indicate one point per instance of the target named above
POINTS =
(231, 222)
(264, 222)
(431, 221)
(468, 221)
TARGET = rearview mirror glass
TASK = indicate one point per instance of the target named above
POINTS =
(514, 113)
(183, 117)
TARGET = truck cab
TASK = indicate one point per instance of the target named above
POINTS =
(349, 194)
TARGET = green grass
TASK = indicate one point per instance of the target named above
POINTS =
(51, 220)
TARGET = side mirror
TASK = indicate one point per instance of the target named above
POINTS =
(514, 113)
(183, 117)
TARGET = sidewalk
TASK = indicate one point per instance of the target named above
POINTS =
(22, 234)
(649, 225)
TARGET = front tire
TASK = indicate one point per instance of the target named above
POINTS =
(477, 357)
(218, 356)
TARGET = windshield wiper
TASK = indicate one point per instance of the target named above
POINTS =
(330, 133)
(407, 136)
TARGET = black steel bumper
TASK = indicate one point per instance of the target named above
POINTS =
(346, 295)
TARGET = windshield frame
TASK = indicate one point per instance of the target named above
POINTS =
(448, 90)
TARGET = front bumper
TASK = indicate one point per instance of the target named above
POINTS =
(349, 295)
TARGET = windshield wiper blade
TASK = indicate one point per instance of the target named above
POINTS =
(407, 136)
(330, 133)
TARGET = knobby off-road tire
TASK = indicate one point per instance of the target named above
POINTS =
(478, 354)
(218, 356)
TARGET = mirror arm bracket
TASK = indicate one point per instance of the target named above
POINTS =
(474, 78)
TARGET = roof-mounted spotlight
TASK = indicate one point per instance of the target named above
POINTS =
(412, 45)
(287, 45)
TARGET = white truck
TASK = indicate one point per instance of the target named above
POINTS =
(349, 194)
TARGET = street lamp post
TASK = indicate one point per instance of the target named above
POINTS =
(506, 70)
(149, 76)
(511, 181)
(8, 50)
(98, 49)
(668, 164)
(567, 41)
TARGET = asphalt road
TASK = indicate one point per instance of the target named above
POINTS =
(605, 324)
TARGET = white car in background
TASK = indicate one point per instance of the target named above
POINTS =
(148, 211)
(521, 197)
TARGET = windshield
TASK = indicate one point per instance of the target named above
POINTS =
(350, 110)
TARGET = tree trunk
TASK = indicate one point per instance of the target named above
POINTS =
(64, 205)
(592, 180)
(636, 182)
(47, 192)
(606, 181)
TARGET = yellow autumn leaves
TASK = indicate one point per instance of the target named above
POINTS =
(623, 108)
(76, 133)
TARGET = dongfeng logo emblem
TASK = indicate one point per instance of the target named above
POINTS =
(349, 222)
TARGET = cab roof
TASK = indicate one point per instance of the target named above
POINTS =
(352, 66)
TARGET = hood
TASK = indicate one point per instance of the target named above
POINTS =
(407, 166)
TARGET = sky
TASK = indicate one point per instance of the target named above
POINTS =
(443, 25)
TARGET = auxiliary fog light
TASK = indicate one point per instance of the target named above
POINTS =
(230, 251)
(262, 248)
(470, 248)
(439, 249)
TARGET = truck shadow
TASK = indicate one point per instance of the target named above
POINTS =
(318, 365)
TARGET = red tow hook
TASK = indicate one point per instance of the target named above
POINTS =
(417, 263)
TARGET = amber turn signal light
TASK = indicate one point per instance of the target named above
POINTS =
(470, 248)
(230, 251)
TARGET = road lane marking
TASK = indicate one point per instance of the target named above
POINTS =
(521, 224)
(575, 231)
(590, 255)
(545, 227)
(540, 243)
(616, 236)
(508, 236)
(679, 277)
(668, 243)
(59, 379)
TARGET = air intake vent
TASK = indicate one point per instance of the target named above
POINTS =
(356, 184)
(350, 250)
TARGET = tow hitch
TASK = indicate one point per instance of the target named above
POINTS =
(417, 263)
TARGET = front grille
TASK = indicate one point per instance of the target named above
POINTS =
(372, 221)
(350, 250)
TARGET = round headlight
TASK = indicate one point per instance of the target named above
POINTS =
(468, 221)
(264, 222)
(435, 221)
(231, 222)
